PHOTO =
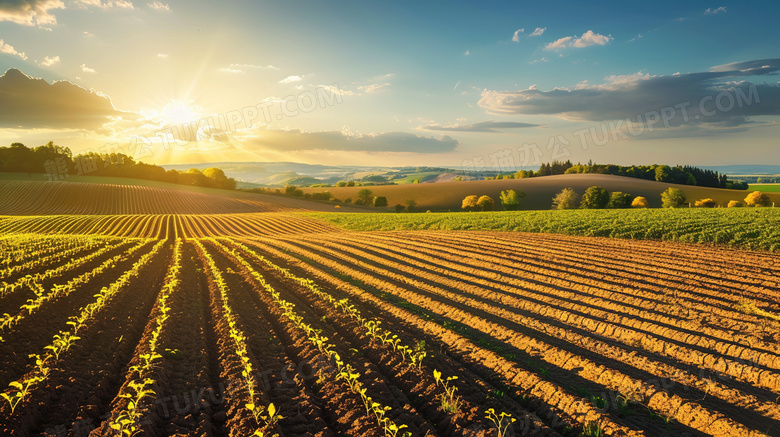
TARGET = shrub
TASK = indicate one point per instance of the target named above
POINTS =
(325, 195)
(735, 204)
(341, 184)
(348, 200)
(366, 196)
(595, 198)
(640, 202)
(757, 198)
(619, 200)
(380, 202)
(672, 198)
(706, 203)
(566, 199)
(469, 203)
(399, 208)
(486, 203)
(510, 199)
(410, 205)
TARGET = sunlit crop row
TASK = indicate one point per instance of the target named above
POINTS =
(266, 416)
(139, 385)
(33, 282)
(344, 371)
(57, 291)
(63, 341)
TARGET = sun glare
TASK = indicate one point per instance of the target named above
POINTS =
(178, 112)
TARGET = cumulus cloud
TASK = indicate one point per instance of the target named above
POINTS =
(489, 126)
(48, 61)
(715, 11)
(10, 50)
(291, 79)
(297, 140)
(538, 31)
(158, 6)
(716, 96)
(28, 103)
(516, 36)
(86, 69)
(162, 55)
(587, 39)
(30, 12)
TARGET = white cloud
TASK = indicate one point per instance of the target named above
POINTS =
(516, 36)
(121, 4)
(587, 39)
(88, 35)
(158, 6)
(715, 11)
(231, 70)
(49, 61)
(291, 79)
(336, 90)
(252, 67)
(9, 49)
(538, 31)
(86, 69)
(467, 52)
(30, 12)
(374, 87)
(162, 55)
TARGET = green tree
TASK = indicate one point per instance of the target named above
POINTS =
(663, 173)
(566, 199)
(619, 200)
(410, 205)
(673, 198)
(365, 196)
(469, 203)
(399, 208)
(219, 178)
(486, 203)
(510, 199)
(380, 201)
(595, 198)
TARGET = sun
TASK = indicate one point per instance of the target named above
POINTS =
(179, 112)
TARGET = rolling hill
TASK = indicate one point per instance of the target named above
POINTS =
(449, 195)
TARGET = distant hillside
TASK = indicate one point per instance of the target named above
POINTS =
(745, 169)
(540, 191)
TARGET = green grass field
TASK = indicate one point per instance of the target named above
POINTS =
(766, 188)
(746, 228)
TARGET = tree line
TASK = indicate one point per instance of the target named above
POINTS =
(683, 175)
(58, 163)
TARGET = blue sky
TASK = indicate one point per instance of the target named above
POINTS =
(482, 85)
